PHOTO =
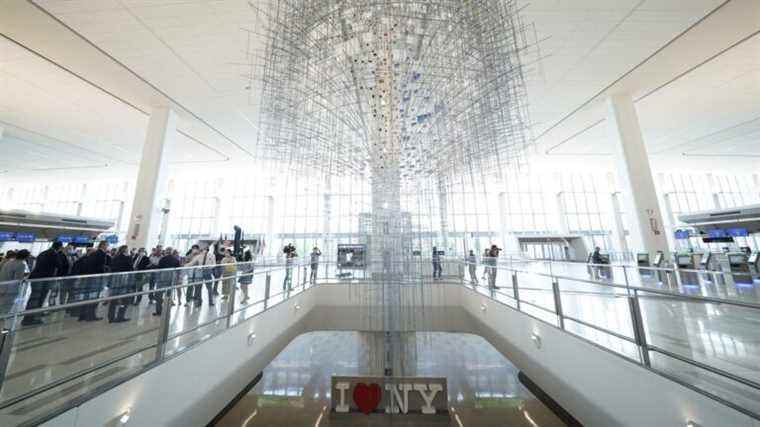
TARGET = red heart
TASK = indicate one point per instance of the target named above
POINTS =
(367, 397)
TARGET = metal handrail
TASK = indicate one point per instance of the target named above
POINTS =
(677, 295)
(640, 340)
(631, 292)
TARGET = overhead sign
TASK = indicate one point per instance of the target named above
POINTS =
(7, 236)
(683, 234)
(65, 239)
(737, 232)
(25, 237)
(113, 239)
(390, 395)
(82, 239)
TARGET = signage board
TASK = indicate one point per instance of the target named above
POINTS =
(417, 396)
(7, 236)
(82, 239)
(352, 256)
(25, 237)
(737, 232)
(65, 239)
(683, 234)
(112, 239)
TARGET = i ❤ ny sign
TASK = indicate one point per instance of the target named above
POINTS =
(389, 395)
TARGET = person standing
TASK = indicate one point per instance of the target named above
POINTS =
(484, 261)
(229, 271)
(9, 256)
(47, 266)
(246, 274)
(314, 259)
(206, 262)
(12, 272)
(437, 270)
(166, 278)
(140, 262)
(290, 257)
(155, 257)
(472, 261)
(96, 263)
(58, 290)
(193, 274)
(493, 256)
(218, 271)
(120, 284)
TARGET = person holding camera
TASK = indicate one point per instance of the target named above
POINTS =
(290, 255)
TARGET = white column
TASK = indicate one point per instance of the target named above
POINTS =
(144, 223)
(443, 215)
(552, 184)
(270, 226)
(618, 239)
(635, 176)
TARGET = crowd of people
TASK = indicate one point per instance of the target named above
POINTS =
(67, 269)
(490, 258)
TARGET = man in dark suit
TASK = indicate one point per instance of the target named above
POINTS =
(167, 278)
(96, 263)
(140, 262)
(48, 265)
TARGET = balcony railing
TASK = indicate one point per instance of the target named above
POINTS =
(697, 328)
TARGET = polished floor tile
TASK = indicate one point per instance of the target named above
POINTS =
(483, 388)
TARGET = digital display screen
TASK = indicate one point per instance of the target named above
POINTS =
(717, 233)
(25, 237)
(112, 239)
(6, 236)
(65, 239)
(642, 257)
(682, 234)
(82, 239)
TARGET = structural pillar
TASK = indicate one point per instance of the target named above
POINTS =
(145, 221)
(443, 214)
(634, 175)
(618, 239)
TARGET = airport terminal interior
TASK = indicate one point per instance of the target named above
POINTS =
(379, 213)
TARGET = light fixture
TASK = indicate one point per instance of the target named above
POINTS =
(691, 424)
(124, 417)
(483, 307)
(251, 338)
(297, 306)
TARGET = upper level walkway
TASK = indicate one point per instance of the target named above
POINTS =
(701, 334)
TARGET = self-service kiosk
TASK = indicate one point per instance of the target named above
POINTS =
(738, 264)
(754, 265)
(686, 265)
(642, 261)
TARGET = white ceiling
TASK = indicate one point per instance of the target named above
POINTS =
(195, 52)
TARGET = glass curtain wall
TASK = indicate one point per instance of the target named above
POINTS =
(468, 212)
